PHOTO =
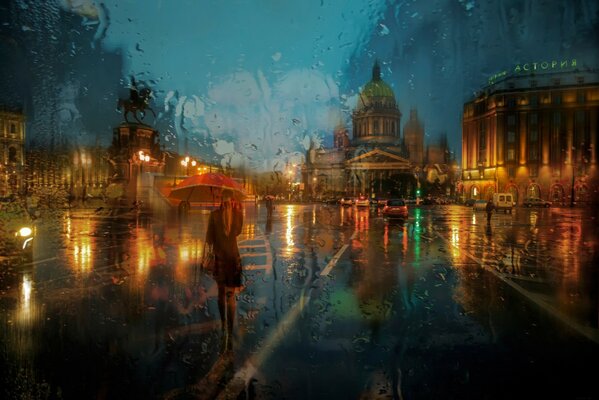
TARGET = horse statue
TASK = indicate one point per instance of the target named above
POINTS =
(137, 103)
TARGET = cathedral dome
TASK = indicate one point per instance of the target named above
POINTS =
(376, 93)
(376, 117)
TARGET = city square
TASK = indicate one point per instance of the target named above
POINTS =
(334, 200)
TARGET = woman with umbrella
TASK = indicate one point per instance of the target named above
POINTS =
(223, 228)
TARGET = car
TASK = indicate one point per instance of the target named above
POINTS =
(479, 205)
(469, 202)
(535, 202)
(346, 201)
(362, 201)
(17, 231)
(395, 208)
(503, 202)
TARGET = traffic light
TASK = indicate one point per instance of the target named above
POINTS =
(418, 192)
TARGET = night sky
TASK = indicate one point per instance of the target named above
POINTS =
(253, 82)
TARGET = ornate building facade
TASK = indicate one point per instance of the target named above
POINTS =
(373, 162)
(533, 136)
(12, 152)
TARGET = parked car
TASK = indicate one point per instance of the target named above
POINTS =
(17, 231)
(469, 202)
(503, 202)
(395, 208)
(480, 205)
(362, 201)
(536, 202)
(346, 201)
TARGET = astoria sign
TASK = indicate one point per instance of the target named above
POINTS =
(535, 66)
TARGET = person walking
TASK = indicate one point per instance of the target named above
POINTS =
(269, 206)
(489, 209)
(224, 226)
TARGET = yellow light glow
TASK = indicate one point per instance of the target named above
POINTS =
(25, 231)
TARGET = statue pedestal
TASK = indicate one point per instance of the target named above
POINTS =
(136, 157)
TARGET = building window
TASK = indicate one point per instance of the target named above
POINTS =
(533, 135)
(557, 99)
(557, 118)
(533, 153)
(533, 119)
(511, 103)
(511, 120)
(511, 154)
(556, 82)
(511, 172)
(533, 83)
(13, 128)
(580, 79)
(12, 155)
(580, 97)
(376, 126)
(533, 170)
(534, 100)
(511, 136)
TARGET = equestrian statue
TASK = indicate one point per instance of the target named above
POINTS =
(137, 103)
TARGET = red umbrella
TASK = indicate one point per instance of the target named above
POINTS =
(205, 188)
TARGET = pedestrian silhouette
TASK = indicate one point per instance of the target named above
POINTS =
(489, 209)
(269, 206)
(223, 228)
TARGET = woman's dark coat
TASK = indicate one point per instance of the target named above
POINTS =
(227, 268)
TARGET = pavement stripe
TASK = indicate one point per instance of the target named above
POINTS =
(242, 377)
(589, 333)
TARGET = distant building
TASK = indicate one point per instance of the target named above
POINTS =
(373, 162)
(12, 151)
(413, 132)
(533, 136)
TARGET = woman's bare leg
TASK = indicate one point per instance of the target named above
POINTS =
(231, 311)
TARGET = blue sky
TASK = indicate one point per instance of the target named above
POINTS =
(252, 83)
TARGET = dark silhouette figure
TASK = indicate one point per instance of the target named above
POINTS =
(489, 209)
(269, 206)
(223, 228)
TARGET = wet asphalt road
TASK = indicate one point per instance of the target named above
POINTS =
(337, 303)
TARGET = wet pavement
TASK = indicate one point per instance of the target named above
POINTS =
(337, 303)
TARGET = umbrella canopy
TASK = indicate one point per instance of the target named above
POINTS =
(206, 188)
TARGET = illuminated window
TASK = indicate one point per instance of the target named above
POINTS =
(511, 154)
(533, 170)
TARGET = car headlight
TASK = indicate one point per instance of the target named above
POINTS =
(25, 232)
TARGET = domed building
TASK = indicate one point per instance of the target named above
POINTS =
(371, 163)
(376, 117)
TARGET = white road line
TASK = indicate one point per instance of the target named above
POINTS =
(334, 260)
(589, 333)
(243, 376)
